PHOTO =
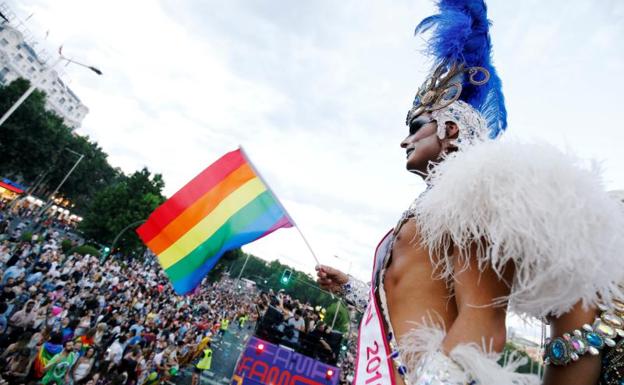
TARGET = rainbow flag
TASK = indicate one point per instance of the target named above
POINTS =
(224, 207)
(47, 351)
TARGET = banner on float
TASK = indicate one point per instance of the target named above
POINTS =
(264, 363)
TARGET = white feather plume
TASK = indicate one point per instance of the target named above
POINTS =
(421, 351)
(536, 207)
(422, 340)
(484, 368)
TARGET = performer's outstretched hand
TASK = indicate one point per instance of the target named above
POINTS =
(330, 279)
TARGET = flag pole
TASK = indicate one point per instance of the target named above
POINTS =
(255, 170)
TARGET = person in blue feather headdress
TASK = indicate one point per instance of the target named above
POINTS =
(502, 225)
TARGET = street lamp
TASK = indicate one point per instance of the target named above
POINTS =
(80, 156)
(43, 73)
(240, 273)
(119, 234)
(92, 68)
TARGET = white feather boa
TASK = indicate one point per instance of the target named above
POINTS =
(536, 207)
(421, 351)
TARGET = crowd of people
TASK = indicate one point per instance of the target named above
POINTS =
(67, 318)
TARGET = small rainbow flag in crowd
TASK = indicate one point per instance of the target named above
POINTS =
(47, 351)
(224, 207)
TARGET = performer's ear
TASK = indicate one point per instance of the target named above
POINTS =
(452, 130)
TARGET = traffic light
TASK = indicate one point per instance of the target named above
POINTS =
(286, 276)
(104, 251)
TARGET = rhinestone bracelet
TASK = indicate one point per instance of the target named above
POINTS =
(590, 339)
(355, 292)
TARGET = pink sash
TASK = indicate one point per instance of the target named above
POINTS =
(373, 365)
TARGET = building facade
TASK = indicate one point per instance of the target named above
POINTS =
(19, 59)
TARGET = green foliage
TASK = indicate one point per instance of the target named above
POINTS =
(66, 244)
(27, 236)
(120, 205)
(84, 250)
(342, 319)
(33, 145)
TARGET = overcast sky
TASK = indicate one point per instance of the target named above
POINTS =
(317, 92)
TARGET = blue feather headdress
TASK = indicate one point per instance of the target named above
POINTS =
(463, 69)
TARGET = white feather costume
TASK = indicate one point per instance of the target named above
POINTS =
(466, 363)
(533, 206)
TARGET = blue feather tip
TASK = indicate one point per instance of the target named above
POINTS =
(460, 34)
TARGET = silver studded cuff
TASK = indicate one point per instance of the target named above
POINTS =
(356, 292)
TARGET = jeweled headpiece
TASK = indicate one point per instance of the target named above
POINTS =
(463, 70)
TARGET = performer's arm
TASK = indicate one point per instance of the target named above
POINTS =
(585, 371)
(478, 320)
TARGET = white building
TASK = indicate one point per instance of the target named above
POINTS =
(19, 59)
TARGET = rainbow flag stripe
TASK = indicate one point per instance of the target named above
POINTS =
(224, 207)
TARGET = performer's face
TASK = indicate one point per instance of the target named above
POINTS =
(422, 144)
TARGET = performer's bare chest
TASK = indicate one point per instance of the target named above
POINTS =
(412, 290)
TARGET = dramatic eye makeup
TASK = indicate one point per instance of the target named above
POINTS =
(417, 123)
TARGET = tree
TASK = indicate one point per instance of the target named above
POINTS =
(31, 137)
(93, 173)
(131, 199)
(34, 144)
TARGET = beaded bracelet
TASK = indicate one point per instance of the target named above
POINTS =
(590, 339)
